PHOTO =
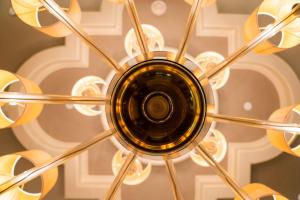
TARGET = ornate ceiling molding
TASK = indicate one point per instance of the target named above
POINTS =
(74, 54)
(78, 182)
(286, 82)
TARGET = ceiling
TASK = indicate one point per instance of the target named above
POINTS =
(18, 42)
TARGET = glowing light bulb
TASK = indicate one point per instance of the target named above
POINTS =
(136, 174)
(90, 87)
(11, 194)
(209, 60)
(216, 145)
(155, 40)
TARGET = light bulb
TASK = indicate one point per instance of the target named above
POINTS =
(209, 60)
(88, 86)
(155, 40)
(136, 173)
(216, 145)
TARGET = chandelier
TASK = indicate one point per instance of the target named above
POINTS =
(159, 104)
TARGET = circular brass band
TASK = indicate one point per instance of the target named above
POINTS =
(191, 67)
(162, 149)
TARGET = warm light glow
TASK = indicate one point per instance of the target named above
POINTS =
(215, 143)
(27, 112)
(88, 86)
(7, 170)
(209, 60)
(10, 195)
(137, 173)
(155, 40)
(258, 191)
(28, 11)
(117, 1)
(278, 138)
(276, 10)
(204, 2)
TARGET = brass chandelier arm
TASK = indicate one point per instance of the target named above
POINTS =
(263, 124)
(39, 10)
(138, 29)
(110, 195)
(59, 13)
(190, 25)
(33, 173)
(223, 174)
(263, 36)
(14, 97)
(172, 177)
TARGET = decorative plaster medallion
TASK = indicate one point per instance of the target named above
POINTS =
(159, 7)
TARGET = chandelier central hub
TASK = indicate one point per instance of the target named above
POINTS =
(158, 107)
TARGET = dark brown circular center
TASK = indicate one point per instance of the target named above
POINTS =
(157, 107)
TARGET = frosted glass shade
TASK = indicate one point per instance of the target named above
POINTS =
(207, 61)
(155, 40)
(88, 86)
(216, 144)
(137, 173)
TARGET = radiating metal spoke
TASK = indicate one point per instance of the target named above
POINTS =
(222, 173)
(13, 13)
(120, 176)
(59, 160)
(263, 124)
(14, 97)
(141, 38)
(172, 175)
(194, 13)
(58, 12)
(263, 36)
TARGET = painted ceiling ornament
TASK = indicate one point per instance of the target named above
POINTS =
(89, 86)
(207, 61)
(216, 144)
(275, 10)
(28, 11)
(136, 174)
(24, 112)
(154, 38)
(7, 171)
(159, 7)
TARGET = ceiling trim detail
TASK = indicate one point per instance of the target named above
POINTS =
(74, 54)
(286, 82)
(108, 21)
